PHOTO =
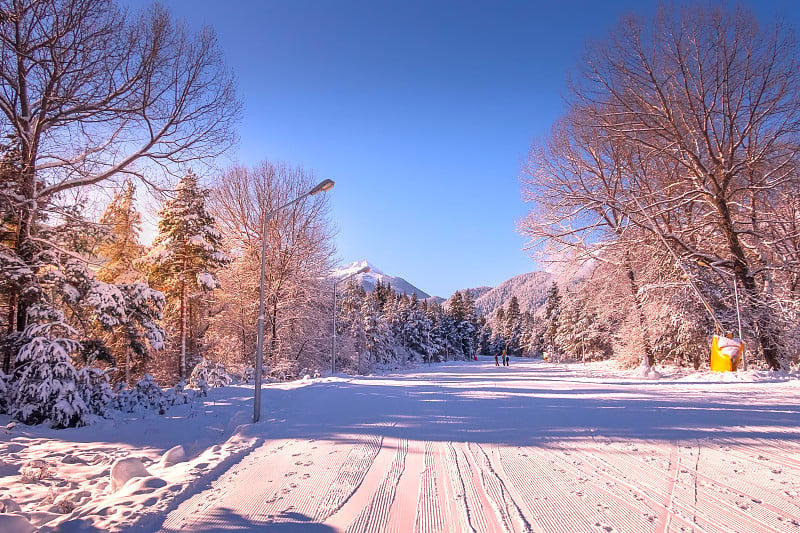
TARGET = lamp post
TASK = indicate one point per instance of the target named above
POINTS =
(323, 186)
(333, 346)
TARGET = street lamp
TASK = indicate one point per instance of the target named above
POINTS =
(323, 186)
(333, 347)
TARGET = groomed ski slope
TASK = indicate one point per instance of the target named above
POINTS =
(468, 446)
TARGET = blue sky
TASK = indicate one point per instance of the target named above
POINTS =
(421, 111)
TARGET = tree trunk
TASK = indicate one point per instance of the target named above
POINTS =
(24, 250)
(182, 358)
(637, 301)
(765, 330)
(128, 366)
(763, 322)
(274, 329)
(12, 301)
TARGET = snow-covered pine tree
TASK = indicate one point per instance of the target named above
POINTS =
(415, 328)
(436, 335)
(186, 253)
(471, 328)
(551, 317)
(379, 345)
(15, 273)
(498, 340)
(573, 324)
(587, 339)
(531, 335)
(209, 374)
(484, 336)
(462, 331)
(5, 392)
(513, 327)
(350, 326)
(119, 251)
(97, 393)
(46, 385)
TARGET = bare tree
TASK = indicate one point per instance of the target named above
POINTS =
(705, 109)
(299, 257)
(578, 181)
(90, 91)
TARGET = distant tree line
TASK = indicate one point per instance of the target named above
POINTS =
(384, 329)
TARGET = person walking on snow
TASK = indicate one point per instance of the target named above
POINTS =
(496, 363)
(505, 358)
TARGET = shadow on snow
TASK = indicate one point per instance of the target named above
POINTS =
(494, 407)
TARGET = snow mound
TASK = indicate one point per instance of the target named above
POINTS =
(648, 372)
(125, 469)
(7, 505)
(173, 456)
(14, 523)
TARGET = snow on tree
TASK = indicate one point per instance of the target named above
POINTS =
(209, 374)
(350, 328)
(46, 384)
(512, 329)
(85, 113)
(15, 274)
(644, 158)
(120, 250)
(530, 341)
(5, 392)
(299, 248)
(460, 309)
(97, 393)
(389, 329)
(186, 253)
(379, 340)
(147, 395)
(552, 320)
(498, 340)
(485, 335)
(414, 327)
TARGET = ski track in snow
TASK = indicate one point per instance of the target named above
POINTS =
(470, 447)
(380, 479)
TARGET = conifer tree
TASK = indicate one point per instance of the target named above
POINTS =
(350, 327)
(186, 254)
(551, 315)
(15, 273)
(416, 327)
(119, 251)
(513, 327)
(379, 345)
(46, 383)
(484, 336)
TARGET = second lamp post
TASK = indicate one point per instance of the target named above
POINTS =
(323, 186)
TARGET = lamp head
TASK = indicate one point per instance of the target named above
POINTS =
(323, 186)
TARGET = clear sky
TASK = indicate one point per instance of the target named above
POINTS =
(422, 111)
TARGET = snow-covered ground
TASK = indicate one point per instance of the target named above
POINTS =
(462, 446)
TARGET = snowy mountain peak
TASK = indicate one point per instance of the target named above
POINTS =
(369, 280)
(352, 268)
